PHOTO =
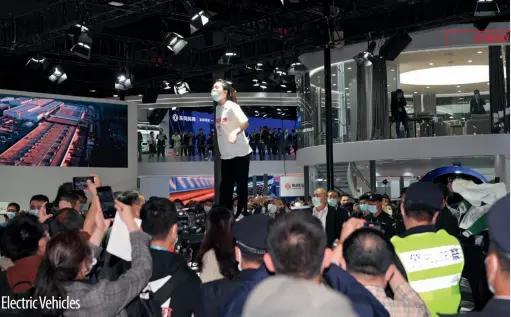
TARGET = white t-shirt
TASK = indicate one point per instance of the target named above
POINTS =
(227, 119)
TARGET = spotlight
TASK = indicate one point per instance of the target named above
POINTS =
(166, 85)
(199, 19)
(280, 72)
(181, 88)
(37, 63)
(123, 82)
(486, 8)
(83, 44)
(57, 75)
(175, 42)
(228, 56)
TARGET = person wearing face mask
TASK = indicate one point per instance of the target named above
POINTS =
(333, 200)
(208, 204)
(233, 145)
(250, 234)
(431, 259)
(37, 202)
(330, 217)
(377, 217)
(497, 261)
(159, 219)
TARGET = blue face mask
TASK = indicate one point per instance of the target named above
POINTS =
(33, 212)
(364, 208)
(332, 202)
(216, 95)
(372, 209)
(316, 201)
(272, 208)
(11, 214)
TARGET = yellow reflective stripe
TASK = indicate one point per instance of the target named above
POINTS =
(431, 258)
(436, 283)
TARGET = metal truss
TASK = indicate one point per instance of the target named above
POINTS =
(43, 26)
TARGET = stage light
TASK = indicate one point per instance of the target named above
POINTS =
(486, 8)
(57, 75)
(365, 57)
(181, 88)
(199, 19)
(166, 85)
(175, 42)
(39, 64)
(82, 47)
(123, 82)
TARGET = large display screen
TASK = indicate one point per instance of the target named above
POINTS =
(192, 121)
(58, 132)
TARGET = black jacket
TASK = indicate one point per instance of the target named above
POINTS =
(447, 221)
(216, 294)
(185, 299)
(333, 227)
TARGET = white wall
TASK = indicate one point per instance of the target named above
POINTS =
(18, 183)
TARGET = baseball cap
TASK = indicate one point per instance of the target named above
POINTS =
(251, 232)
(425, 193)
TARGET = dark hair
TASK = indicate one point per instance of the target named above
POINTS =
(61, 264)
(158, 216)
(40, 198)
(68, 197)
(208, 201)
(367, 252)
(219, 237)
(64, 220)
(344, 195)
(21, 237)
(128, 197)
(502, 256)
(296, 243)
(385, 196)
(15, 205)
(445, 190)
(231, 92)
(403, 191)
(178, 201)
(399, 91)
(418, 211)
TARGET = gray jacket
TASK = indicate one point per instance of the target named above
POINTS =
(109, 298)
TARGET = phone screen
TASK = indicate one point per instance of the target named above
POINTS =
(106, 200)
(80, 183)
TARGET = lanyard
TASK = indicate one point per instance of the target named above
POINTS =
(155, 247)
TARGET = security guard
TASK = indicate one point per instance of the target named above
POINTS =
(432, 260)
(377, 217)
(497, 261)
(250, 233)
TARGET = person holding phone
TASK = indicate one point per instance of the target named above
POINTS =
(69, 258)
(234, 146)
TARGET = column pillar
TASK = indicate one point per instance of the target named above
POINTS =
(361, 117)
(497, 89)
(328, 107)
(265, 184)
(401, 183)
(501, 164)
(506, 112)
(372, 175)
(254, 187)
(217, 172)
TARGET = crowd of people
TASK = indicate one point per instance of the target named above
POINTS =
(330, 256)
(266, 144)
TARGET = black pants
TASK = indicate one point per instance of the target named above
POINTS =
(202, 151)
(235, 171)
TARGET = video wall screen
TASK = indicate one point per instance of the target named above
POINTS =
(59, 132)
(192, 121)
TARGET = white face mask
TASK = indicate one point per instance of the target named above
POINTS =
(207, 208)
(316, 201)
(239, 261)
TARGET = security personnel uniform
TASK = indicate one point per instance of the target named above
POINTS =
(433, 260)
(381, 220)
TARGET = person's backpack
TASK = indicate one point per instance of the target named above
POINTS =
(150, 305)
(11, 295)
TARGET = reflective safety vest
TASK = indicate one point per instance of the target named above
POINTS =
(433, 262)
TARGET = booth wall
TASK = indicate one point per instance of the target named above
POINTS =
(19, 183)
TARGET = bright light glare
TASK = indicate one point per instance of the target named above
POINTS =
(447, 75)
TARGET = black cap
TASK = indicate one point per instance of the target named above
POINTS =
(425, 193)
(375, 197)
(251, 232)
(498, 223)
